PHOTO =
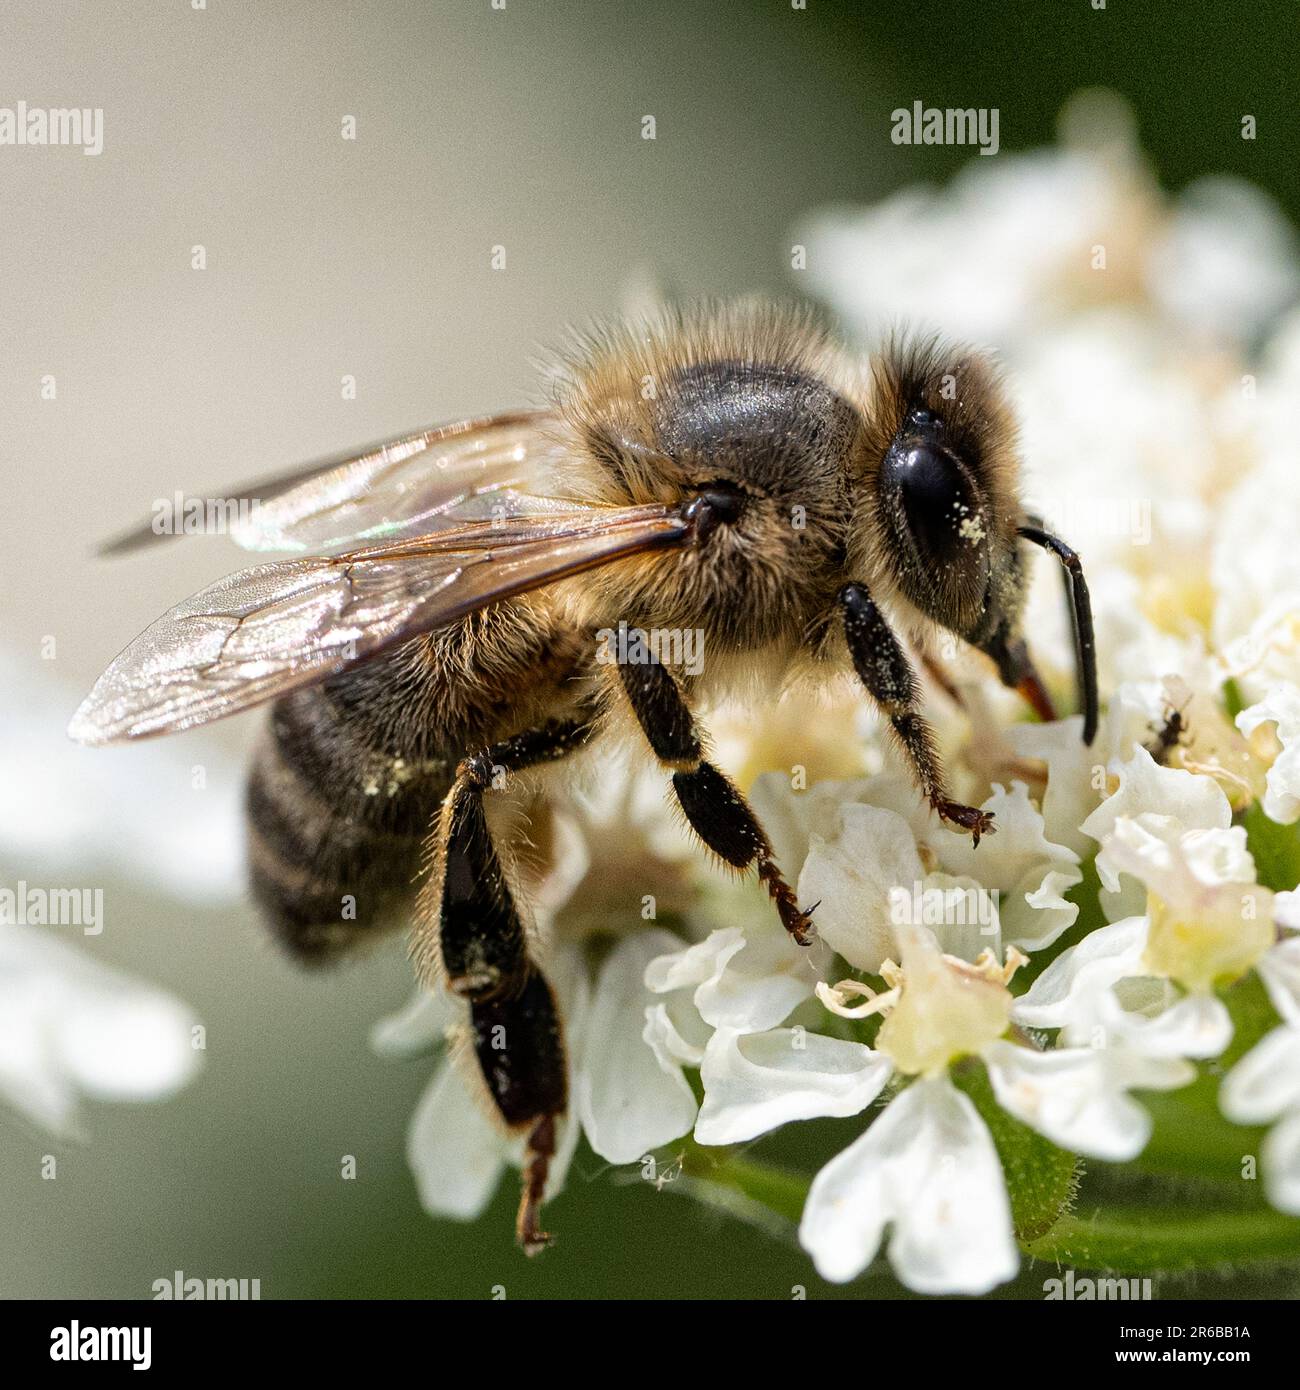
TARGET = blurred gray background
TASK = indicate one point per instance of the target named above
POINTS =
(371, 258)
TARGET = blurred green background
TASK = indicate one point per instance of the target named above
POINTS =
(476, 128)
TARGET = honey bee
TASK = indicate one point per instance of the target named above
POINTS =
(726, 469)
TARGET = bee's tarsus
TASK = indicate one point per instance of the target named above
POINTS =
(796, 921)
(537, 1166)
(968, 818)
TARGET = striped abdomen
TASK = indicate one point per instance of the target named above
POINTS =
(352, 772)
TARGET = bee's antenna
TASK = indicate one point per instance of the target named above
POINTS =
(1085, 646)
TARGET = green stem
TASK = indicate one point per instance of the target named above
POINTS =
(778, 1189)
(1143, 1242)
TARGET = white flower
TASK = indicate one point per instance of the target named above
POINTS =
(999, 252)
(1264, 1087)
(1280, 707)
(1227, 259)
(71, 1027)
(1079, 1096)
(755, 1082)
(1154, 445)
(856, 846)
(1145, 788)
(1031, 874)
(1255, 563)
(1147, 982)
(1010, 248)
(851, 877)
(1206, 772)
(738, 979)
(630, 1098)
(927, 1166)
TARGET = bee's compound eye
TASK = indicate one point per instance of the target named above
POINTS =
(934, 496)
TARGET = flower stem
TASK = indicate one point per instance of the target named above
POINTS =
(777, 1189)
(1145, 1242)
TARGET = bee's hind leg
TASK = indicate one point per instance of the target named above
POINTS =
(716, 809)
(883, 667)
(519, 1043)
(471, 937)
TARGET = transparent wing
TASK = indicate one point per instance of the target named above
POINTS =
(492, 468)
(268, 630)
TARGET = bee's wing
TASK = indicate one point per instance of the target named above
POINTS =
(471, 470)
(267, 630)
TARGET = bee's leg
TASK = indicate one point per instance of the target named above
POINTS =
(717, 811)
(883, 667)
(471, 936)
(519, 1043)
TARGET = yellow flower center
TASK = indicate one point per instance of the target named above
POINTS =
(939, 1008)
(1212, 942)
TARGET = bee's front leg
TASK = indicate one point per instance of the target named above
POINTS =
(882, 666)
(715, 807)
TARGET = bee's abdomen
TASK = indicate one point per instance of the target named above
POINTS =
(336, 825)
(350, 778)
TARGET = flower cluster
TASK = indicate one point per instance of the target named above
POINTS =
(1138, 901)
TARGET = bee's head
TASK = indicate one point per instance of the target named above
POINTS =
(943, 495)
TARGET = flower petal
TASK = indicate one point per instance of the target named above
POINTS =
(1281, 1157)
(1266, 1082)
(176, 824)
(1067, 991)
(1077, 1096)
(759, 1081)
(628, 1100)
(1019, 861)
(928, 1166)
(749, 980)
(851, 876)
(418, 1027)
(1279, 968)
(1191, 799)
(668, 1037)
(1286, 909)
(454, 1152)
(793, 819)
(1281, 706)
(1198, 1025)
